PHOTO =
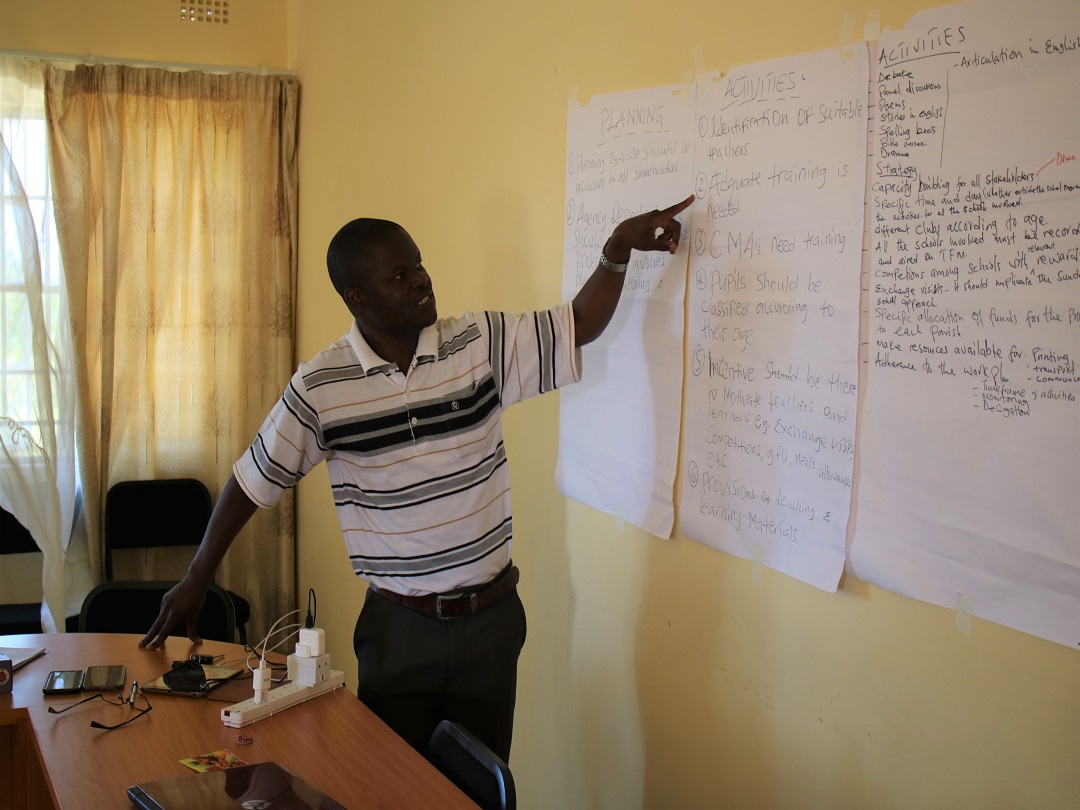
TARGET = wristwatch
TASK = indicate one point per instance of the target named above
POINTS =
(614, 267)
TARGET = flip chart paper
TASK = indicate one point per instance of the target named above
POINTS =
(772, 330)
(627, 153)
(970, 427)
(961, 134)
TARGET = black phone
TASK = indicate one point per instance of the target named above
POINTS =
(63, 682)
(101, 678)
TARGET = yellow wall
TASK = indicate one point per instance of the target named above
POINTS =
(256, 35)
(656, 675)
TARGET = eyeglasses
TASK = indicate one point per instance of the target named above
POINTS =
(121, 701)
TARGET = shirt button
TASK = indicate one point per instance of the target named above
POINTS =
(414, 420)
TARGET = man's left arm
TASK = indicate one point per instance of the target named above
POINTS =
(596, 301)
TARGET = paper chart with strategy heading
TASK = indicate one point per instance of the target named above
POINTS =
(970, 431)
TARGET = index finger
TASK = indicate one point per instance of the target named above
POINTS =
(678, 208)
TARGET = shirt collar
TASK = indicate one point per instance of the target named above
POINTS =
(426, 347)
(428, 344)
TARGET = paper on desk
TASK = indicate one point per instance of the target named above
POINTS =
(22, 655)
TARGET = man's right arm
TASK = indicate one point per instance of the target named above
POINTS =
(183, 603)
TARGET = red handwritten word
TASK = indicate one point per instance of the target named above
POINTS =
(1057, 161)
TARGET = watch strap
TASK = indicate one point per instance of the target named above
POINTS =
(614, 267)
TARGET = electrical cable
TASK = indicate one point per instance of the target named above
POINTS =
(312, 609)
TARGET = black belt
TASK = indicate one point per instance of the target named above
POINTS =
(459, 604)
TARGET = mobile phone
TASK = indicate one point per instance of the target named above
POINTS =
(101, 678)
(63, 682)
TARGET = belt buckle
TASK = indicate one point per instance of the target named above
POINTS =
(440, 600)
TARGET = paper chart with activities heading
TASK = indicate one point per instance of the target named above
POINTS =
(970, 431)
(772, 329)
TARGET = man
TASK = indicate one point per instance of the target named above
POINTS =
(406, 411)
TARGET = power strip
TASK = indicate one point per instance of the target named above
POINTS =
(278, 700)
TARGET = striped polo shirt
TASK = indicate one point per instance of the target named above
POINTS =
(416, 462)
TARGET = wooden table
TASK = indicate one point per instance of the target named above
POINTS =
(59, 761)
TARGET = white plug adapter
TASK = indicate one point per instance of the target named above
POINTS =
(261, 679)
(308, 671)
(314, 638)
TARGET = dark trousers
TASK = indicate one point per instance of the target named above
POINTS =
(417, 670)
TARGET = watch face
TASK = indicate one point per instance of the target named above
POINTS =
(5, 677)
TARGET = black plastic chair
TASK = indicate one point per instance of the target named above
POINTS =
(162, 513)
(477, 770)
(17, 617)
(132, 607)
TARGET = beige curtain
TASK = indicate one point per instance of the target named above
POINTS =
(176, 201)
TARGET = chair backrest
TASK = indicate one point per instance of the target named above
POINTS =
(152, 514)
(16, 538)
(132, 607)
(477, 770)
(18, 617)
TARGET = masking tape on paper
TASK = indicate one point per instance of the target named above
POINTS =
(699, 67)
(619, 525)
(964, 605)
(847, 31)
(757, 553)
(687, 83)
(871, 31)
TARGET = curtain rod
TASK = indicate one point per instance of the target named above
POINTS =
(99, 60)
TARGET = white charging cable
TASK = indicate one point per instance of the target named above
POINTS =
(261, 676)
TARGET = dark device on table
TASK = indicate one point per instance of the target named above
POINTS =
(63, 682)
(102, 678)
(190, 679)
(264, 784)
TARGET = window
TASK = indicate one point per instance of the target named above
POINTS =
(26, 141)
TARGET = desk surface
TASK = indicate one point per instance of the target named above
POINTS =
(334, 741)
